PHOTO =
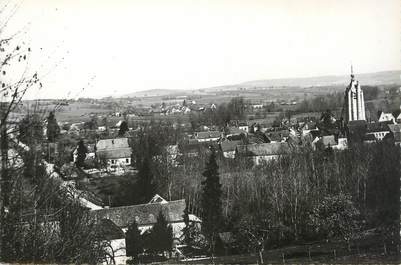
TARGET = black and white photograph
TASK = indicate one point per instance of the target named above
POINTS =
(200, 132)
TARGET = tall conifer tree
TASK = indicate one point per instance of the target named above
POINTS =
(212, 217)
(123, 128)
(133, 241)
(161, 236)
(146, 184)
(82, 151)
(53, 130)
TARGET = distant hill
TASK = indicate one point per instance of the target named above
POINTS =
(155, 93)
(378, 78)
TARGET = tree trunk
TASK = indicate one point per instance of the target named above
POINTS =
(261, 256)
(3, 178)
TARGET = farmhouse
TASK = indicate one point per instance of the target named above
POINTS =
(262, 152)
(210, 136)
(116, 152)
(228, 148)
(145, 215)
(243, 126)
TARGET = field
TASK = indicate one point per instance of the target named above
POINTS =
(80, 111)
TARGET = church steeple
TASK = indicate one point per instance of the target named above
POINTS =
(354, 100)
(352, 72)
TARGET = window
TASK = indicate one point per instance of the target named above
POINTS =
(127, 160)
(112, 161)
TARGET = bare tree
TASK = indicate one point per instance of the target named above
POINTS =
(16, 80)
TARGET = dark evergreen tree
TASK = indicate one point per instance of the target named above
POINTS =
(133, 241)
(53, 130)
(123, 128)
(212, 217)
(161, 236)
(82, 150)
(146, 185)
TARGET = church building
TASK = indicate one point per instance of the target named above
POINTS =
(355, 104)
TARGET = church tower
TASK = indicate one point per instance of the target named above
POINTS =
(355, 103)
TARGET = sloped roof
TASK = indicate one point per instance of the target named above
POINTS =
(108, 230)
(395, 128)
(377, 127)
(118, 124)
(206, 135)
(258, 138)
(235, 130)
(115, 153)
(369, 137)
(277, 135)
(386, 117)
(77, 126)
(158, 199)
(108, 144)
(229, 146)
(143, 214)
(265, 149)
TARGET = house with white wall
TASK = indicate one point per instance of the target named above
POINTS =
(115, 152)
(260, 153)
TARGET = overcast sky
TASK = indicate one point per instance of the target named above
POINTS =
(118, 47)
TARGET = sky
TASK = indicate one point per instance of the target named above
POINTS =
(95, 48)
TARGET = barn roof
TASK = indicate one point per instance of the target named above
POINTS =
(116, 153)
(143, 214)
(108, 144)
(113, 148)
